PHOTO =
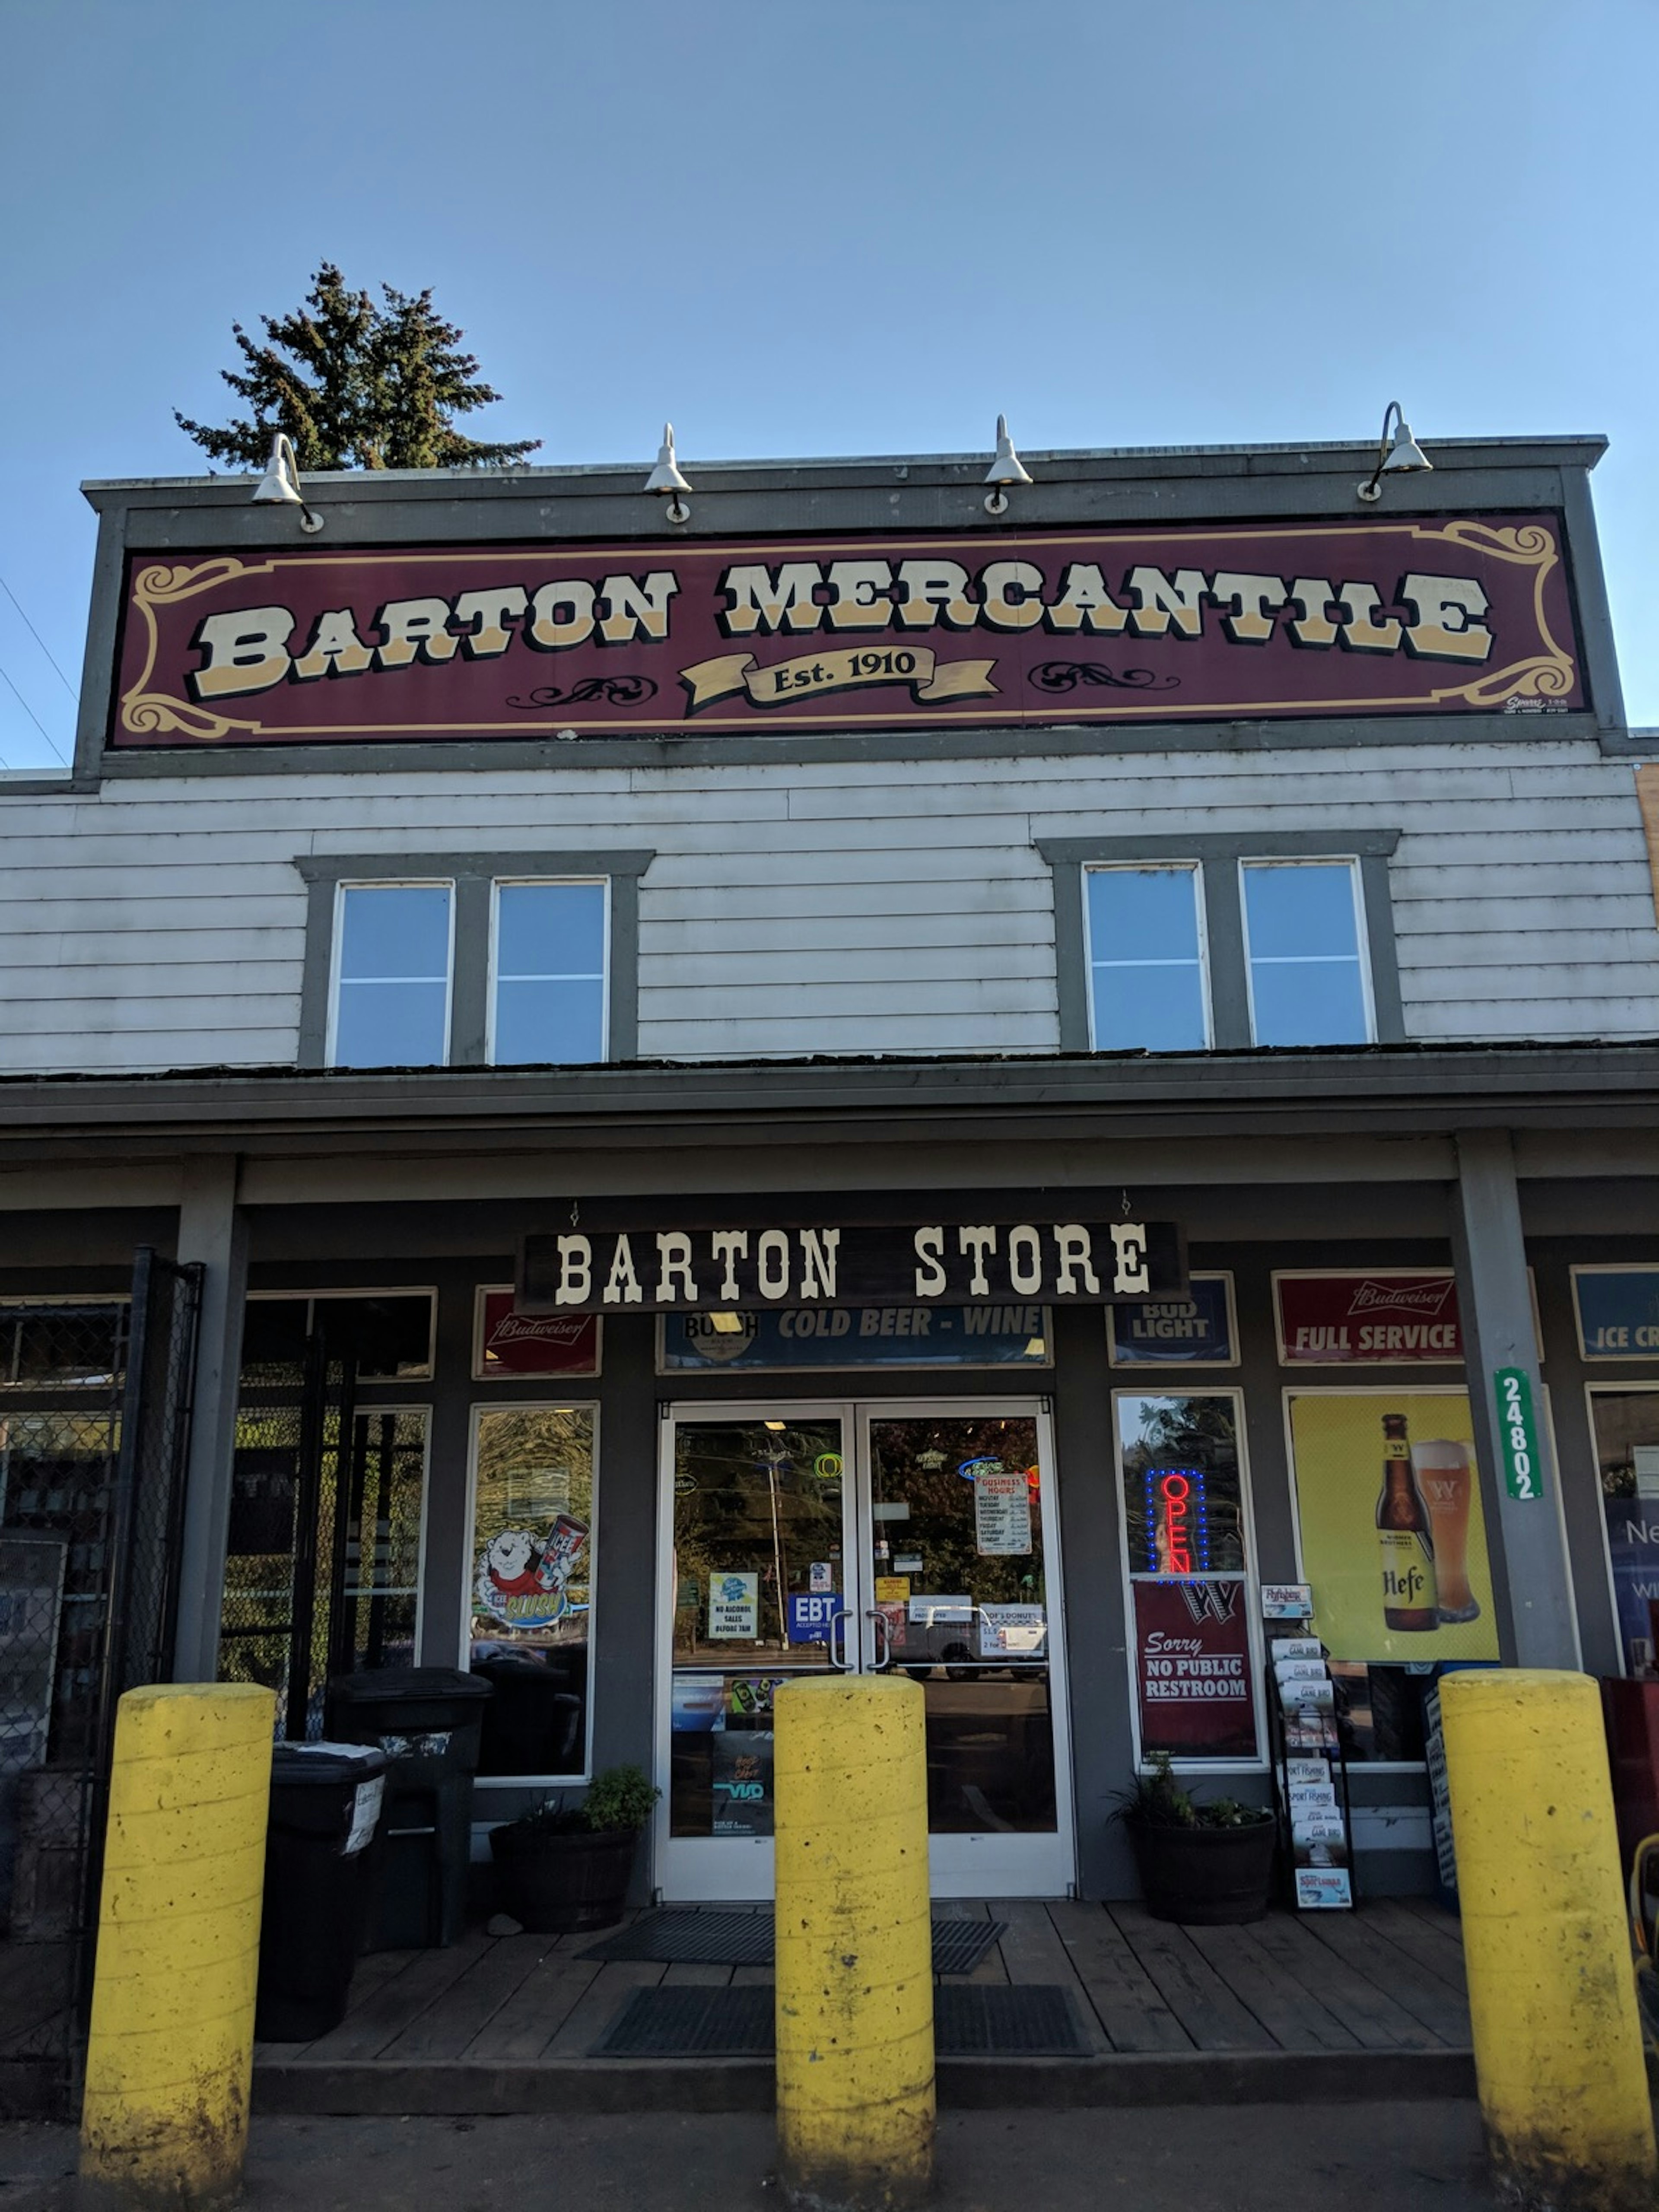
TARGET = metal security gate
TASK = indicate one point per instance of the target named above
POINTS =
(95, 1423)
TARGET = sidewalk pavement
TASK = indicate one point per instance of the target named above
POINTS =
(1417, 2157)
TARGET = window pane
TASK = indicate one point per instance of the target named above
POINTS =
(550, 929)
(392, 1024)
(1309, 908)
(1308, 1002)
(537, 1023)
(1148, 983)
(1143, 913)
(1182, 1492)
(532, 1569)
(395, 929)
(1302, 930)
(1149, 1009)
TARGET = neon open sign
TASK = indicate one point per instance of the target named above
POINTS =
(1177, 1521)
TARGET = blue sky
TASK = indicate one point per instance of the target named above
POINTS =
(812, 230)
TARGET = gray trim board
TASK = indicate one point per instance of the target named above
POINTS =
(1590, 596)
(472, 874)
(213, 1229)
(1218, 854)
(1536, 1611)
(1584, 1087)
(917, 493)
(681, 749)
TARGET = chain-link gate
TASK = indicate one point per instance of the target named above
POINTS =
(94, 1418)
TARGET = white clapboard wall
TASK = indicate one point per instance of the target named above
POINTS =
(847, 906)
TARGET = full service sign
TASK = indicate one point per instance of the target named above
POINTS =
(1383, 1317)
(644, 1269)
(1467, 615)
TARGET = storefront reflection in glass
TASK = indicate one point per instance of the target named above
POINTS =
(758, 1584)
(960, 1583)
(1183, 1487)
(1624, 1423)
(531, 1586)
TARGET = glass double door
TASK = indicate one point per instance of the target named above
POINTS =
(913, 1538)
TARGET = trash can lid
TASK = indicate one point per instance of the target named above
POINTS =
(391, 1686)
(328, 1763)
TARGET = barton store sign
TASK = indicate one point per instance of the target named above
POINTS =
(1467, 615)
(637, 1267)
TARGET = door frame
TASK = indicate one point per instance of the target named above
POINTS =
(737, 1870)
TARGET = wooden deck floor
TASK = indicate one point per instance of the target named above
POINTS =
(1388, 1980)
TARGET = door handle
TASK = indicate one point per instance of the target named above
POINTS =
(883, 1639)
(838, 1620)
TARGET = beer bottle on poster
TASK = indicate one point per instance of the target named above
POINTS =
(1411, 1601)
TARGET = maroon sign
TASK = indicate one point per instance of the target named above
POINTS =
(1466, 616)
(1384, 1318)
(1193, 1670)
(508, 1342)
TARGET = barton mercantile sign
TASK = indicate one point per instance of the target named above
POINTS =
(1468, 615)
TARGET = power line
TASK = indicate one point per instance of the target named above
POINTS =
(40, 641)
(33, 717)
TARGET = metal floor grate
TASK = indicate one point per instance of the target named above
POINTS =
(745, 1939)
(976, 2021)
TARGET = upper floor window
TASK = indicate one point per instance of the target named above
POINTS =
(547, 1002)
(1225, 940)
(391, 974)
(1148, 990)
(470, 959)
(1308, 980)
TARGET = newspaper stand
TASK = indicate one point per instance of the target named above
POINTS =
(1309, 1773)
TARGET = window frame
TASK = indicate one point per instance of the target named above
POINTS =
(1195, 870)
(1249, 1577)
(472, 877)
(337, 977)
(492, 973)
(1219, 855)
(1357, 892)
(541, 1403)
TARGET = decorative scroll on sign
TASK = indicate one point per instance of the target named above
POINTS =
(1469, 614)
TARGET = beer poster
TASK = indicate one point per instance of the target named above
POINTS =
(1394, 1541)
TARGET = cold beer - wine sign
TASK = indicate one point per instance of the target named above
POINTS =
(620, 1266)
(1470, 615)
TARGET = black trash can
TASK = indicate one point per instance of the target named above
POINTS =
(326, 1801)
(427, 1720)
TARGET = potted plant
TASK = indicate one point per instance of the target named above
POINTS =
(566, 1868)
(1210, 1865)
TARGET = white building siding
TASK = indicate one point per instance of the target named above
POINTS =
(852, 906)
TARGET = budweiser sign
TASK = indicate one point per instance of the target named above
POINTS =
(508, 1342)
(1429, 1298)
(1378, 1319)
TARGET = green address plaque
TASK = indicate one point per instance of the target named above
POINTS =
(1517, 1434)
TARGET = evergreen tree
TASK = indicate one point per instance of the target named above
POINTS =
(356, 385)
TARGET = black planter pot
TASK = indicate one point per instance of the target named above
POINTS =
(1206, 1877)
(558, 1885)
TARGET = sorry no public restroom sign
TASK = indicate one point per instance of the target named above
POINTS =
(613, 1266)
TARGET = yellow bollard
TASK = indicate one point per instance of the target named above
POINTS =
(1557, 2046)
(855, 1944)
(170, 2059)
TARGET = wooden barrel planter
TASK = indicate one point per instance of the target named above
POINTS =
(1207, 1877)
(558, 1885)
